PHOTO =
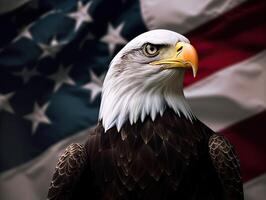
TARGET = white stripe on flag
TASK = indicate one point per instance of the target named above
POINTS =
(178, 15)
(31, 180)
(10, 5)
(256, 188)
(230, 95)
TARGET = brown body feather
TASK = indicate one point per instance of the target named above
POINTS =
(169, 158)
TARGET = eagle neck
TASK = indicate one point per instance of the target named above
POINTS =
(133, 101)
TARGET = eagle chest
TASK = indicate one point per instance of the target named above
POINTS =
(148, 155)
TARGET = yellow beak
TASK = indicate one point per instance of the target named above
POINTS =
(185, 56)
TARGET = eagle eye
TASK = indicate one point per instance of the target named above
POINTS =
(150, 50)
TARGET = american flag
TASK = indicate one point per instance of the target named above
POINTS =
(54, 56)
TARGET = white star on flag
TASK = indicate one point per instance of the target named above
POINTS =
(95, 85)
(113, 37)
(50, 49)
(61, 77)
(26, 74)
(38, 116)
(81, 15)
(25, 33)
(4, 102)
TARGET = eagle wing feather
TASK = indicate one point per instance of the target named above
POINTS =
(67, 172)
(226, 163)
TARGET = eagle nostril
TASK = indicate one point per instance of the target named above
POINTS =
(179, 49)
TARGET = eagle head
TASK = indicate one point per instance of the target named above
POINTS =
(146, 77)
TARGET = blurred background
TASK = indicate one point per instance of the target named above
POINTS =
(54, 55)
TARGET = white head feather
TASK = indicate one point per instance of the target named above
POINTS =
(133, 89)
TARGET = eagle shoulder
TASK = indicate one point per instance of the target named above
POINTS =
(68, 170)
(226, 164)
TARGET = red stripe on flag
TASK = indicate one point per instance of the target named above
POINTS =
(230, 38)
(249, 138)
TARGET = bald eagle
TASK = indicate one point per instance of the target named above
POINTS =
(148, 144)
